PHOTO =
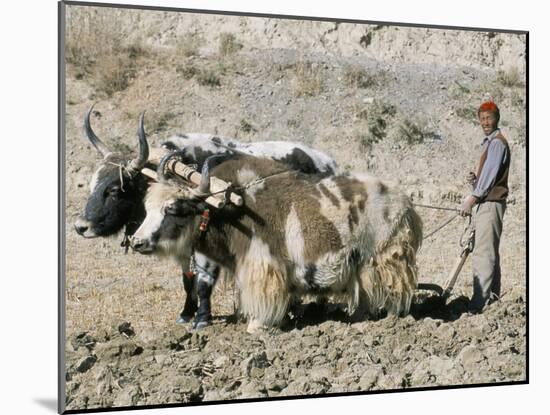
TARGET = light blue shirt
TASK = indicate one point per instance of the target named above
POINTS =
(497, 155)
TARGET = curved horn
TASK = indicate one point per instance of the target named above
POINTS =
(96, 142)
(161, 169)
(138, 163)
(204, 186)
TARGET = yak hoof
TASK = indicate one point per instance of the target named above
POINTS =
(183, 319)
(197, 325)
(254, 326)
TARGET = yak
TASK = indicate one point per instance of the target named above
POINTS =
(117, 191)
(349, 236)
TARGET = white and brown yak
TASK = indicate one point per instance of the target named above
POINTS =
(347, 236)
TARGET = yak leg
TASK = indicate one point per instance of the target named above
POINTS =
(207, 276)
(190, 306)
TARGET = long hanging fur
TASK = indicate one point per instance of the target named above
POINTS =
(390, 279)
(263, 286)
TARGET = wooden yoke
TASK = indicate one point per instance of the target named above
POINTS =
(217, 186)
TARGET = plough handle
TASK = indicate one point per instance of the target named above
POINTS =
(455, 271)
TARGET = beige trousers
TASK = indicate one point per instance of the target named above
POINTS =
(486, 258)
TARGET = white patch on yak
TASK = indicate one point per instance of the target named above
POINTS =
(205, 268)
(95, 178)
(294, 240)
(260, 251)
(270, 149)
(151, 224)
(160, 196)
(282, 149)
(245, 176)
(294, 237)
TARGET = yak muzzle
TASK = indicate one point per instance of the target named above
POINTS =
(142, 246)
(84, 228)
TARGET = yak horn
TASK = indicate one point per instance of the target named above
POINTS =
(161, 169)
(96, 142)
(138, 163)
(204, 185)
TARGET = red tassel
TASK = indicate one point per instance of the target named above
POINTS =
(204, 220)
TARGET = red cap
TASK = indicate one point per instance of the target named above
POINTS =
(488, 106)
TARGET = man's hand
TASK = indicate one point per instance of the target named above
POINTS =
(466, 208)
(471, 178)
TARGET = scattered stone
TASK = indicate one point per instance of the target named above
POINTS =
(370, 377)
(258, 360)
(221, 361)
(129, 396)
(469, 357)
(188, 387)
(82, 339)
(126, 329)
(85, 363)
(445, 332)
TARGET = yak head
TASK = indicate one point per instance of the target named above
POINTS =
(173, 214)
(117, 188)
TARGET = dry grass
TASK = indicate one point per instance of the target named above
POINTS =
(468, 113)
(189, 44)
(101, 51)
(510, 78)
(247, 127)
(308, 80)
(356, 77)
(104, 287)
(209, 77)
(188, 71)
(228, 45)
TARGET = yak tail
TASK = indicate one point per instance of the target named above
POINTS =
(390, 278)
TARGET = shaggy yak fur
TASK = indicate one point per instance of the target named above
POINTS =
(348, 236)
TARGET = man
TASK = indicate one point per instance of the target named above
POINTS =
(490, 189)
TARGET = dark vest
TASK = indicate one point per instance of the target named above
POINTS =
(499, 191)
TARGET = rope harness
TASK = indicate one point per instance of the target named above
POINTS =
(448, 221)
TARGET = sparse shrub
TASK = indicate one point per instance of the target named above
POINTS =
(518, 100)
(413, 133)
(308, 80)
(358, 78)
(366, 39)
(121, 147)
(293, 122)
(228, 44)
(187, 71)
(113, 74)
(377, 117)
(362, 114)
(158, 121)
(367, 140)
(467, 113)
(246, 127)
(189, 44)
(208, 77)
(461, 88)
(510, 78)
